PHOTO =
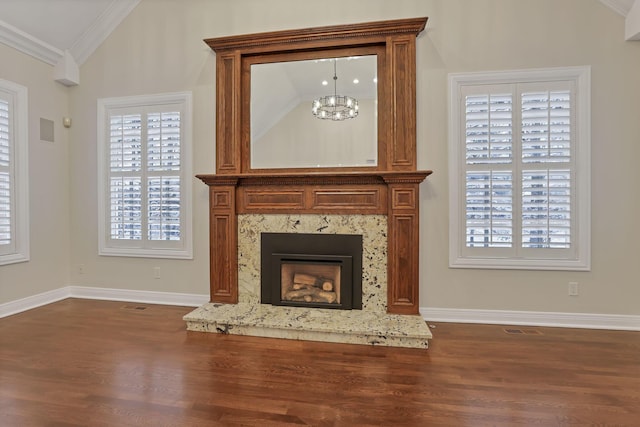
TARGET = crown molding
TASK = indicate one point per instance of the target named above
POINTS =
(630, 10)
(82, 48)
(100, 29)
(621, 7)
(632, 23)
(26, 43)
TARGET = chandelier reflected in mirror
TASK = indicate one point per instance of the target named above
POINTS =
(335, 107)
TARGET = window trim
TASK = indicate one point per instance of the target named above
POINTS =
(105, 105)
(20, 165)
(581, 76)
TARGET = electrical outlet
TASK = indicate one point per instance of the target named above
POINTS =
(573, 289)
(80, 268)
(156, 272)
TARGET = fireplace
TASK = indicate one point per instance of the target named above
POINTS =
(311, 270)
(380, 202)
(371, 325)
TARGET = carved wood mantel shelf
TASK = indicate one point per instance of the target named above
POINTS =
(316, 192)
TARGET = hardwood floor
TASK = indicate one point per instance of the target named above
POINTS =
(103, 363)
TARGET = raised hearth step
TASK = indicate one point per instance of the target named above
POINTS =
(339, 326)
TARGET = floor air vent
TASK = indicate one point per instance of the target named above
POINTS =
(134, 307)
(522, 331)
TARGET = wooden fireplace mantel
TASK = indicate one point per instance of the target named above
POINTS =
(393, 193)
(388, 188)
(327, 193)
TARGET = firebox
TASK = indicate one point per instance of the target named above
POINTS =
(311, 270)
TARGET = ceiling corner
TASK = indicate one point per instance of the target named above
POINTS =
(632, 23)
(621, 7)
(100, 29)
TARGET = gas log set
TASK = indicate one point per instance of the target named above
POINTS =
(310, 288)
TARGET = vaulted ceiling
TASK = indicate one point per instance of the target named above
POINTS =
(47, 28)
(64, 33)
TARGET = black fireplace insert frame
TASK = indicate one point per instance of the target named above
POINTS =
(315, 248)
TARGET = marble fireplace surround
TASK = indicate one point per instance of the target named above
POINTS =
(374, 250)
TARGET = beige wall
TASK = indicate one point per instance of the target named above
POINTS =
(506, 34)
(48, 268)
(159, 48)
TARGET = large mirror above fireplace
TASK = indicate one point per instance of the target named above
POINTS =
(391, 42)
(314, 113)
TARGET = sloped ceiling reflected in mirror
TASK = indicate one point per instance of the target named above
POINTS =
(279, 88)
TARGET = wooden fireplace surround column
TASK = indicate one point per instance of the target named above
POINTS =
(391, 188)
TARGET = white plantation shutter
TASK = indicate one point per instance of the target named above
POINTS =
(14, 208)
(546, 126)
(163, 157)
(546, 144)
(125, 176)
(489, 212)
(546, 136)
(546, 209)
(519, 177)
(6, 210)
(489, 193)
(148, 176)
(489, 123)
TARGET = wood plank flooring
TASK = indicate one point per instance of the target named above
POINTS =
(104, 363)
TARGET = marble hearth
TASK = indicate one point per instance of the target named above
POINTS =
(371, 325)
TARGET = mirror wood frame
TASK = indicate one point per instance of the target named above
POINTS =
(394, 43)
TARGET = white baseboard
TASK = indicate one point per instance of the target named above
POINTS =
(448, 315)
(148, 297)
(533, 318)
(85, 292)
(24, 304)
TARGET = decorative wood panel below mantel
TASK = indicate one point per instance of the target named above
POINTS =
(345, 193)
(394, 194)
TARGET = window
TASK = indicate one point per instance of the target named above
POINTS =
(145, 170)
(519, 148)
(14, 197)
